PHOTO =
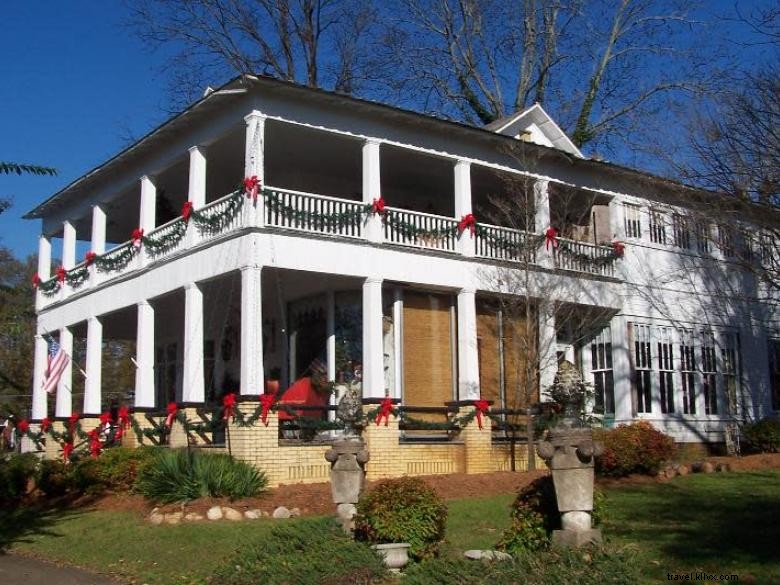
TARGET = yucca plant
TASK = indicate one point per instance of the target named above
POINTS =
(180, 475)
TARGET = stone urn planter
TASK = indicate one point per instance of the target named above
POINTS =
(395, 554)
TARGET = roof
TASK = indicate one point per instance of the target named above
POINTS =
(244, 83)
(533, 119)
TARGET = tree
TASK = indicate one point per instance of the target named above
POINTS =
(10, 168)
(317, 43)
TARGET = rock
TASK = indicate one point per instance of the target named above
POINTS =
(193, 517)
(155, 517)
(295, 512)
(487, 555)
(707, 467)
(723, 467)
(696, 466)
(265, 514)
(231, 514)
(253, 514)
(281, 512)
(214, 513)
(173, 517)
(683, 470)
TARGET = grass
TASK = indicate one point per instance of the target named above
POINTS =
(717, 523)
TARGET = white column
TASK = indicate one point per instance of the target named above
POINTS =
(44, 265)
(193, 388)
(39, 371)
(398, 341)
(468, 355)
(254, 163)
(621, 369)
(147, 219)
(92, 385)
(463, 204)
(330, 332)
(548, 349)
(144, 356)
(197, 177)
(373, 346)
(64, 404)
(68, 245)
(98, 229)
(372, 188)
(252, 373)
(542, 221)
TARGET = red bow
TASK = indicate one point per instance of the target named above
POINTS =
(469, 222)
(252, 187)
(119, 433)
(45, 425)
(67, 449)
(385, 408)
(94, 442)
(23, 426)
(378, 206)
(137, 237)
(551, 238)
(89, 258)
(267, 401)
(186, 210)
(619, 248)
(105, 419)
(482, 407)
(171, 409)
(61, 273)
(36, 280)
(72, 420)
(229, 406)
(123, 417)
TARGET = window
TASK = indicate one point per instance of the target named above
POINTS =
(601, 367)
(632, 224)
(726, 241)
(774, 372)
(166, 370)
(688, 372)
(666, 369)
(643, 367)
(657, 227)
(709, 370)
(681, 232)
(702, 230)
(728, 360)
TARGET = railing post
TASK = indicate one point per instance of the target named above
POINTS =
(372, 189)
(254, 166)
(465, 243)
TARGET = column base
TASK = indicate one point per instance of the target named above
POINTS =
(576, 538)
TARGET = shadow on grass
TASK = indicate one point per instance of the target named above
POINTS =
(705, 519)
(24, 522)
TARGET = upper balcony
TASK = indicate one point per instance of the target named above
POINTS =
(329, 185)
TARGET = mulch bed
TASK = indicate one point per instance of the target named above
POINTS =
(314, 499)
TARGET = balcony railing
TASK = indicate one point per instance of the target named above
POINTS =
(584, 257)
(420, 230)
(307, 212)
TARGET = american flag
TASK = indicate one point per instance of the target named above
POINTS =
(58, 361)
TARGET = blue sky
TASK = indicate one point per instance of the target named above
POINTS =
(75, 85)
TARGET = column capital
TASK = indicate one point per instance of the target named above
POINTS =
(372, 141)
(254, 115)
(468, 290)
(191, 286)
(463, 163)
(144, 303)
(373, 280)
(196, 148)
(147, 178)
(251, 267)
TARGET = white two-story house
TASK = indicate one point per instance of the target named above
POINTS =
(408, 252)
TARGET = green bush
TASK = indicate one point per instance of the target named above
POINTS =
(54, 480)
(763, 436)
(16, 473)
(591, 566)
(305, 552)
(180, 475)
(118, 467)
(81, 476)
(403, 510)
(535, 515)
(634, 448)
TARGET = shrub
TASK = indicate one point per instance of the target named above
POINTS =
(78, 477)
(535, 515)
(16, 473)
(305, 552)
(593, 566)
(403, 510)
(54, 480)
(118, 467)
(634, 448)
(179, 475)
(763, 436)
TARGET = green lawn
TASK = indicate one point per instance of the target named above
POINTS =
(719, 523)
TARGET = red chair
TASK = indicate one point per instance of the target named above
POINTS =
(302, 393)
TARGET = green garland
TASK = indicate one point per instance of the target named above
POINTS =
(170, 240)
(211, 222)
(608, 257)
(410, 231)
(337, 219)
(116, 259)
